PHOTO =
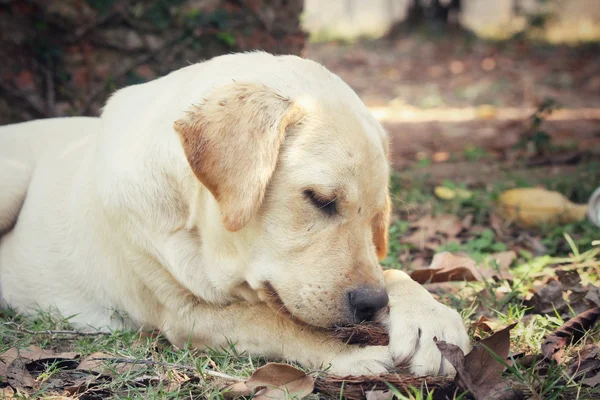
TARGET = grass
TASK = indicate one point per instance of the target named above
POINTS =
(181, 373)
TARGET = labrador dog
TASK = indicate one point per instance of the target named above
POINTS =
(239, 200)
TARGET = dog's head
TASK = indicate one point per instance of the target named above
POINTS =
(305, 181)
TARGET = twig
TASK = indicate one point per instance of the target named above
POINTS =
(216, 374)
(57, 332)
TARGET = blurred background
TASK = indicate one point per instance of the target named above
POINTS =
(453, 81)
(479, 97)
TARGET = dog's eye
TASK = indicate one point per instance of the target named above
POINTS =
(328, 206)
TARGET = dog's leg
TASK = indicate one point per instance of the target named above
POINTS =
(258, 330)
(414, 319)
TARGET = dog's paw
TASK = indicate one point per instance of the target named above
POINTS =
(370, 360)
(414, 319)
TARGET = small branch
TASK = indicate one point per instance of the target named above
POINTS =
(56, 332)
(216, 374)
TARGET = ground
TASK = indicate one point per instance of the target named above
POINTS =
(473, 117)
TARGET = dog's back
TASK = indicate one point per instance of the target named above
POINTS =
(21, 147)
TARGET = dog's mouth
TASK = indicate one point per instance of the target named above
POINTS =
(270, 296)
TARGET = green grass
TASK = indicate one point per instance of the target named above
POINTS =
(501, 301)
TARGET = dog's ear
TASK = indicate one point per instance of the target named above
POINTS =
(232, 140)
(380, 226)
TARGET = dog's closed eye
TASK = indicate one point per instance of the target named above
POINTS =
(327, 206)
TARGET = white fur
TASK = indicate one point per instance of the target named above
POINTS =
(116, 230)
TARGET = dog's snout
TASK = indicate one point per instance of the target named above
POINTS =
(366, 301)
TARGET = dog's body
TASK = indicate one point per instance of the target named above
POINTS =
(242, 199)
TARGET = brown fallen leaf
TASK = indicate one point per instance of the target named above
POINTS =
(6, 359)
(7, 393)
(274, 381)
(379, 395)
(497, 224)
(447, 267)
(532, 243)
(481, 324)
(564, 295)
(45, 356)
(548, 299)
(571, 331)
(586, 365)
(429, 227)
(467, 222)
(593, 295)
(479, 372)
(15, 365)
(18, 377)
(504, 260)
(101, 363)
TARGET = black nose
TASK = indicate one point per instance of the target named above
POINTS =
(366, 301)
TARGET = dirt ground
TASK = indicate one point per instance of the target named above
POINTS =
(457, 94)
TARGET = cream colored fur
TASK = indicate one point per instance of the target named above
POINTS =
(184, 208)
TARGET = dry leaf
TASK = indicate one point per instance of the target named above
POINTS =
(274, 381)
(102, 363)
(467, 222)
(479, 372)
(14, 362)
(35, 354)
(548, 298)
(447, 267)
(428, 229)
(572, 330)
(587, 365)
(504, 258)
(18, 376)
(6, 359)
(482, 324)
(7, 393)
(379, 395)
(497, 225)
(593, 295)
(564, 295)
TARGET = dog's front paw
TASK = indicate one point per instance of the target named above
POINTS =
(414, 319)
(370, 360)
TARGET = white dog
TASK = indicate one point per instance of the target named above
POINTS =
(243, 199)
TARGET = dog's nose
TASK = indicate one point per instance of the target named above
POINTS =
(366, 301)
